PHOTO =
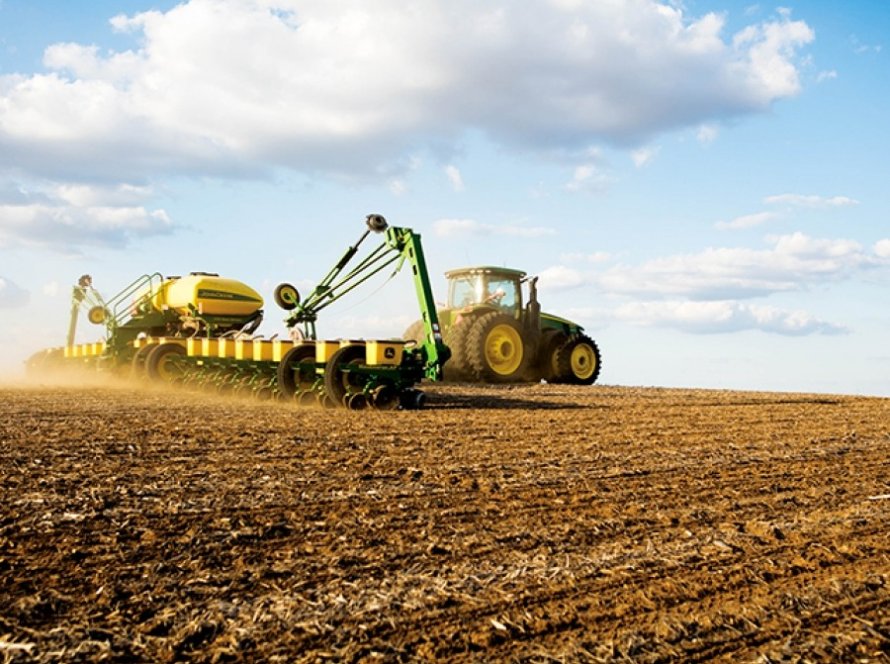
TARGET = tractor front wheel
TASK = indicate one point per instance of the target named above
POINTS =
(578, 361)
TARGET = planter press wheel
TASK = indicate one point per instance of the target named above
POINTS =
(338, 380)
(163, 362)
(139, 359)
(294, 379)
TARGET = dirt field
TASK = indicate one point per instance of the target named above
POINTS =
(536, 523)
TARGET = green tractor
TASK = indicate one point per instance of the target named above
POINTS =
(496, 338)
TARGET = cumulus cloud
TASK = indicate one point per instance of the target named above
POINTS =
(724, 317)
(559, 278)
(464, 227)
(882, 248)
(793, 262)
(68, 217)
(241, 87)
(12, 296)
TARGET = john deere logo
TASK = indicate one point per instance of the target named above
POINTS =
(389, 353)
(208, 294)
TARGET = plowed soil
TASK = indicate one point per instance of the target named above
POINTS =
(536, 523)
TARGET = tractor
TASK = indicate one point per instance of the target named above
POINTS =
(497, 336)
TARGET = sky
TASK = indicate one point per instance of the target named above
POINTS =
(702, 185)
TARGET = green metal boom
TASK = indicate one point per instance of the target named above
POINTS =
(400, 245)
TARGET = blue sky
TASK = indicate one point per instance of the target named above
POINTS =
(702, 185)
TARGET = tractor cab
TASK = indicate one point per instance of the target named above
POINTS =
(496, 287)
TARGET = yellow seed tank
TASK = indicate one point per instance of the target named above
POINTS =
(207, 294)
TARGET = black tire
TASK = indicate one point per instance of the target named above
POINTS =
(163, 362)
(337, 382)
(139, 358)
(546, 365)
(414, 332)
(286, 296)
(457, 368)
(496, 349)
(578, 361)
(292, 378)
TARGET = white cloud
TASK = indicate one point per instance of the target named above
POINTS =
(800, 200)
(882, 248)
(707, 134)
(463, 227)
(454, 177)
(588, 177)
(578, 257)
(793, 262)
(240, 87)
(826, 75)
(859, 48)
(12, 296)
(644, 156)
(398, 186)
(769, 50)
(83, 195)
(746, 221)
(51, 289)
(724, 317)
(69, 217)
(559, 278)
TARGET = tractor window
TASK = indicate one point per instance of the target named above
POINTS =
(463, 292)
(502, 292)
(477, 289)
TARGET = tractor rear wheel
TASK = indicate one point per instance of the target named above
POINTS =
(414, 332)
(578, 361)
(457, 368)
(293, 378)
(163, 362)
(338, 380)
(496, 350)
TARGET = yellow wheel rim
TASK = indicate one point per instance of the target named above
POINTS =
(583, 361)
(289, 295)
(96, 315)
(503, 349)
